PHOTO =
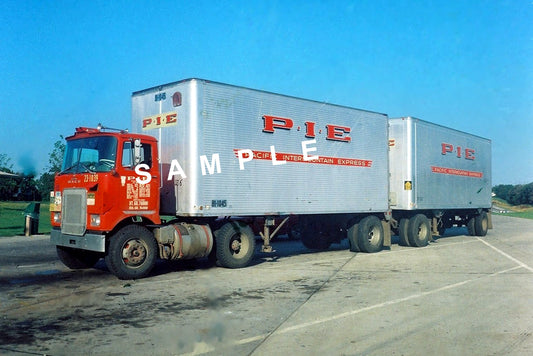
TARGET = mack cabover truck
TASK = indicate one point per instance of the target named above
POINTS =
(204, 158)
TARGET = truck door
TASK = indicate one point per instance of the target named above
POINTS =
(139, 178)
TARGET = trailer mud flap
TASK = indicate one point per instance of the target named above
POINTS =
(387, 233)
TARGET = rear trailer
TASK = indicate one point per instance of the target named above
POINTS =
(439, 177)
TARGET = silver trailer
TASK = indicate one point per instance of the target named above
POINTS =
(215, 127)
(440, 173)
(233, 151)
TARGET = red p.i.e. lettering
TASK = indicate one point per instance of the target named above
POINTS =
(310, 129)
(171, 118)
(147, 122)
(469, 153)
(338, 133)
(446, 148)
(274, 122)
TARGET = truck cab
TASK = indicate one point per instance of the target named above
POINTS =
(98, 190)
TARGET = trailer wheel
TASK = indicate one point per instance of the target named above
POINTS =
(352, 238)
(77, 259)
(370, 234)
(402, 232)
(481, 223)
(132, 252)
(471, 225)
(419, 231)
(235, 245)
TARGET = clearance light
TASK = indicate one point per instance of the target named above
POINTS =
(176, 99)
(95, 220)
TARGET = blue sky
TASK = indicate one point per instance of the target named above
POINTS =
(463, 64)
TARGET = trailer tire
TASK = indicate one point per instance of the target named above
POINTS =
(471, 226)
(481, 223)
(235, 245)
(77, 259)
(370, 234)
(132, 252)
(352, 238)
(402, 233)
(419, 231)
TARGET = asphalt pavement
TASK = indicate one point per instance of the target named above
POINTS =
(460, 295)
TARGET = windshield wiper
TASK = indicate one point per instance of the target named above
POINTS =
(77, 164)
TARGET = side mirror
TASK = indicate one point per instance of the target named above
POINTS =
(137, 152)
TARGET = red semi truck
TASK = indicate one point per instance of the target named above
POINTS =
(204, 159)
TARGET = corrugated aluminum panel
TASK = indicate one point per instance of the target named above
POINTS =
(219, 119)
(435, 167)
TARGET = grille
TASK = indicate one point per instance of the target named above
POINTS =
(74, 211)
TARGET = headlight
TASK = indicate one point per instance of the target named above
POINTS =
(95, 220)
(57, 217)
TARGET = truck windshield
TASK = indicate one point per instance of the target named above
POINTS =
(93, 154)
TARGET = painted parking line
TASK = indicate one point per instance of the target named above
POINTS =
(520, 263)
(208, 348)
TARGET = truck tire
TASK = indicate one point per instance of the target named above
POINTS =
(352, 238)
(77, 259)
(235, 245)
(471, 226)
(481, 223)
(370, 234)
(419, 231)
(402, 232)
(132, 252)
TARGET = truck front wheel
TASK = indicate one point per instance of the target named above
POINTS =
(132, 252)
(77, 259)
(235, 245)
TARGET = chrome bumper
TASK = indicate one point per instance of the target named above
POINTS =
(88, 241)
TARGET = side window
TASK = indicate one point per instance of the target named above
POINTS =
(146, 154)
(127, 154)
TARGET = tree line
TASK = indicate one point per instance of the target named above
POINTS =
(29, 187)
(520, 194)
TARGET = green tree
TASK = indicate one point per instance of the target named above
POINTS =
(8, 184)
(5, 163)
(55, 158)
(515, 194)
(502, 191)
(55, 161)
